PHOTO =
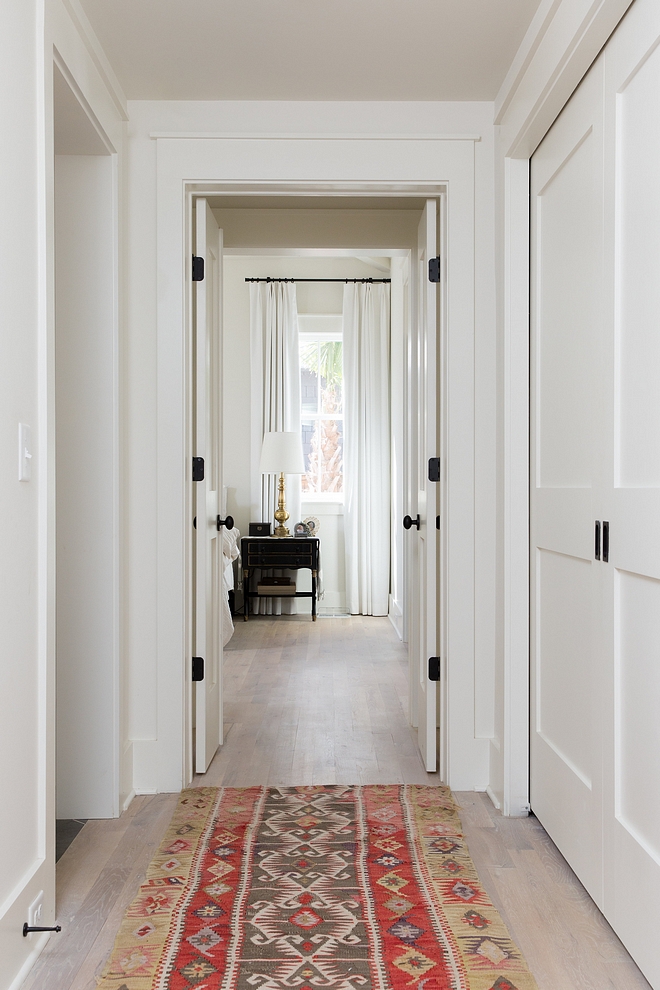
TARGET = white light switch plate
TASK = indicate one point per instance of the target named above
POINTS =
(24, 452)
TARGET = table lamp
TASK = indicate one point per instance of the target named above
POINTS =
(282, 454)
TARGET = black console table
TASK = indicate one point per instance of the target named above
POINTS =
(291, 552)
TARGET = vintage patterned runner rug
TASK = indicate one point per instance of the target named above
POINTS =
(305, 888)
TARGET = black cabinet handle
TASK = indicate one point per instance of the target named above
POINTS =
(228, 522)
(606, 540)
(597, 540)
(408, 522)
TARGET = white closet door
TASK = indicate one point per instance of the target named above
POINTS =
(632, 604)
(208, 444)
(567, 473)
(595, 444)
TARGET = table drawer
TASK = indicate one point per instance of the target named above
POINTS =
(280, 547)
(279, 559)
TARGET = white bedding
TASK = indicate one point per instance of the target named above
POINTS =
(230, 552)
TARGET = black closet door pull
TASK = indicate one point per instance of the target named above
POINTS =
(606, 541)
(597, 540)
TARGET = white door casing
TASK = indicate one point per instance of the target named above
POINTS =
(207, 554)
(190, 165)
(427, 394)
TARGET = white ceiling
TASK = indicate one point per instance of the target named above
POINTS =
(310, 49)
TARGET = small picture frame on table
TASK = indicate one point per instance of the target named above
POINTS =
(301, 529)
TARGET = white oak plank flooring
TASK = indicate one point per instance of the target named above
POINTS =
(326, 702)
(316, 703)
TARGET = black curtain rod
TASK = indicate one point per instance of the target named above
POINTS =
(370, 280)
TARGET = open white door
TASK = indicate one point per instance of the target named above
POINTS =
(427, 491)
(208, 445)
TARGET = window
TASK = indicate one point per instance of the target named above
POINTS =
(321, 392)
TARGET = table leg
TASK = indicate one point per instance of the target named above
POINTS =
(246, 599)
(313, 596)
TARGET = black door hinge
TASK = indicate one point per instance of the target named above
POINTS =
(197, 269)
(434, 269)
(198, 469)
(198, 668)
(434, 668)
(434, 469)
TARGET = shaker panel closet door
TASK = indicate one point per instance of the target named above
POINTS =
(567, 474)
(632, 606)
(595, 453)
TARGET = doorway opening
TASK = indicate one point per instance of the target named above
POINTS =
(319, 238)
(87, 466)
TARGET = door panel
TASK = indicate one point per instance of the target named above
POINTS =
(638, 235)
(427, 498)
(208, 585)
(566, 325)
(567, 257)
(632, 601)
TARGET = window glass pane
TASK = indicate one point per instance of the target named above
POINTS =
(332, 455)
(309, 383)
(309, 481)
(331, 376)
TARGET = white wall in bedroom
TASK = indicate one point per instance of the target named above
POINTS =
(323, 298)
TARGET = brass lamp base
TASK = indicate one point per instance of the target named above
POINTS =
(281, 515)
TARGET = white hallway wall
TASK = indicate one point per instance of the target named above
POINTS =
(30, 30)
(22, 670)
(149, 118)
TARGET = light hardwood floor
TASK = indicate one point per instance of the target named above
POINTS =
(326, 702)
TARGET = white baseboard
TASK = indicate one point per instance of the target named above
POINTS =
(127, 801)
(491, 795)
(146, 771)
(39, 945)
(395, 616)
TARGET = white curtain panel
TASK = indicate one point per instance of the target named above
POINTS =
(366, 321)
(275, 367)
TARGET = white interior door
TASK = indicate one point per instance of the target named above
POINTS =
(427, 491)
(208, 586)
(567, 472)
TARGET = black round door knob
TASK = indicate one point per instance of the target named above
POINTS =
(228, 522)
(409, 522)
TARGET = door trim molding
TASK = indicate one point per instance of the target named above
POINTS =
(186, 168)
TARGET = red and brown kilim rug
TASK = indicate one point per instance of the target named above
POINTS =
(305, 888)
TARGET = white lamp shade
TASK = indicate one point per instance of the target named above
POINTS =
(282, 452)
